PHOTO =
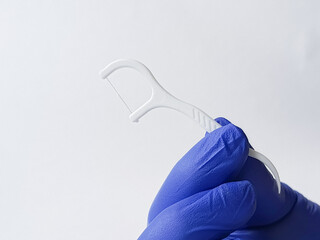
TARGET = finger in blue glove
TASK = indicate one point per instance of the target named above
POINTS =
(211, 214)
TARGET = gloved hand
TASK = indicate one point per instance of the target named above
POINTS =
(217, 192)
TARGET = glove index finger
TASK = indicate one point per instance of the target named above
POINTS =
(215, 159)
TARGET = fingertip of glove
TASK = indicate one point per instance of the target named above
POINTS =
(222, 121)
(226, 149)
(243, 190)
(227, 134)
(240, 199)
(248, 192)
(248, 201)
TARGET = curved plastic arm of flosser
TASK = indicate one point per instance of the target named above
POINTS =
(161, 98)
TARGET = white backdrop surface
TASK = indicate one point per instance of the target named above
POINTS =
(72, 165)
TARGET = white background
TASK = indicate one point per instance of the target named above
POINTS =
(72, 166)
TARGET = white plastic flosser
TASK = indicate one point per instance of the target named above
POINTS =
(161, 98)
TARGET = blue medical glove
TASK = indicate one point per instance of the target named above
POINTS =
(217, 192)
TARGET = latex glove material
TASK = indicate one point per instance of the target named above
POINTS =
(211, 214)
(201, 200)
